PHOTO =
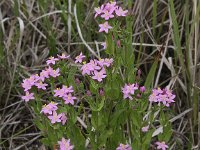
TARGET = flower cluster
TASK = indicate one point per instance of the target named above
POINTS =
(129, 90)
(50, 111)
(65, 144)
(124, 147)
(95, 68)
(108, 11)
(164, 96)
(66, 94)
(39, 80)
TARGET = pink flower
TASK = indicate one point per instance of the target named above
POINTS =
(86, 69)
(29, 82)
(65, 144)
(105, 62)
(119, 11)
(164, 96)
(104, 27)
(41, 85)
(98, 10)
(107, 15)
(48, 109)
(28, 96)
(129, 90)
(63, 118)
(104, 45)
(52, 60)
(68, 89)
(55, 73)
(161, 145)
(92, 65)
(55, 117)
(99, 75)
(124, 147)
(79, 58)
(110, 7)
(63, 92)
(63, 56)
(145, 129)
(44, 75)
(34, 78)
(26, 85)
(153, 98)
(58, 92)
(49, 70)
(69, 99)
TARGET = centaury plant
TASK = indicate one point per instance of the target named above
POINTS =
(100, 103)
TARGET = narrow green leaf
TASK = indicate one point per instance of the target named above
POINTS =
(151, 74)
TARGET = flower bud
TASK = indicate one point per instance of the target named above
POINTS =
(142, 89)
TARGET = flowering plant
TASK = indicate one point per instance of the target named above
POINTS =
(101, 103)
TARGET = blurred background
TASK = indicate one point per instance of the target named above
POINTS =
(166, 31)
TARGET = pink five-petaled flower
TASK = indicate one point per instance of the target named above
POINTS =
(65, 144)
(55, 73)
(124, 147)
(119, 11)
(129, 90)
(145, 129)
(48, 109)
(41, 85)
(58, 92)
(110, 7)
(86, 69)
(26, 85)
(49, 70)
(55, 117)
(63, 56)
(68, 89)
(98, 11)
(69, 99)
(104, 27)
(107, 15)
(161, 145)
(79, 58)
(28, 96)
(99, 75)
(44, 75)
(63, 118)
(93, 65)
(52, 60)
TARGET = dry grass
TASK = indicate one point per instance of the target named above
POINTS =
(32, 30)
